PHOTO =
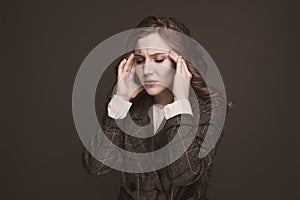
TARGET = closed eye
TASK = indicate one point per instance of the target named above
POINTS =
(139, 60)
(159, 60)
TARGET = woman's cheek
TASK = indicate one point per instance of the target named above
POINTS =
(139, 74)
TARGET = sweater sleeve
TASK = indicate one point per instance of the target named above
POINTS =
(111, 130)
(189, 167)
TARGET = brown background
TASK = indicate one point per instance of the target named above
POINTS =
(252, 42)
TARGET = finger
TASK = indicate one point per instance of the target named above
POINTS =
(174, 56)
(131, 67)
(185, 68)
(179, 65)
(121, 66)
(128, 63)
(186, 73)
(131, 72)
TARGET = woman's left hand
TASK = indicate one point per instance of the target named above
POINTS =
(182, 77)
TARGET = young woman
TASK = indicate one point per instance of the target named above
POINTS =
(154, 84)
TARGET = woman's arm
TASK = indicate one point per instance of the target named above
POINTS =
(114, 134)
(189, 167)
(116, 110)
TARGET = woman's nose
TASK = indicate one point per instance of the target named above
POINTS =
(148, 69)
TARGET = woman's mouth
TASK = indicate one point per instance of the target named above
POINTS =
(150, 82)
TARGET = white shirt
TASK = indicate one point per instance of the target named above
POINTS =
(118, 109)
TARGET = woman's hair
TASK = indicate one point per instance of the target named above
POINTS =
(180, 46)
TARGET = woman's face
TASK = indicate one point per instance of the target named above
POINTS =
(153, 65)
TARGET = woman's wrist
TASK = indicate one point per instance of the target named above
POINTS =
(125, 98)
(118, 107)
(180, 106)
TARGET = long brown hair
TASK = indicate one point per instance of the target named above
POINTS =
(197, 81)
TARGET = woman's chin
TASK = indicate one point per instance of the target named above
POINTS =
(153, 91)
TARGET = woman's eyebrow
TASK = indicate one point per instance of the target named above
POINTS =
(157, 53)
(137, 54)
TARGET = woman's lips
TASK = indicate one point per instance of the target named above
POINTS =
(150, 82)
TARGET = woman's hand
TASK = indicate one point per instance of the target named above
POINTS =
(182, 78)
(126, 87)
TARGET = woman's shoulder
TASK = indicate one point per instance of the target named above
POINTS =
(215, 102)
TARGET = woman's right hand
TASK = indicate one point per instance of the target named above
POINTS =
(126, 87)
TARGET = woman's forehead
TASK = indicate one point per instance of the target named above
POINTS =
(151, 51)
(152, 42)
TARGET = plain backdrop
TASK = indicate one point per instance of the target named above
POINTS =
(253, 43)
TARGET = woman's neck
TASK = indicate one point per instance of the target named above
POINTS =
(164, 98)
